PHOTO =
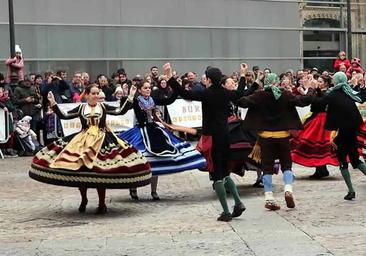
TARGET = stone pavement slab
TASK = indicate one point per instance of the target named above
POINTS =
(41, 219)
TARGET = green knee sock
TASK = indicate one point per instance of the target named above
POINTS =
(347, 179)
(362, 168)
(221, 194)
(230, 184)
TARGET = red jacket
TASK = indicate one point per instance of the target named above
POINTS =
(338, 62)
(351, 69)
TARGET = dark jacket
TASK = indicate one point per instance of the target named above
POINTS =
(265, 113)
(215, 107)
(58, 88)
(21, 92)
(143, 117)
(318, 106)
(342, 112)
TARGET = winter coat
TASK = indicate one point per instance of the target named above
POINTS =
(17, 65)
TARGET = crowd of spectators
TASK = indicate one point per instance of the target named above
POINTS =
(29, 96)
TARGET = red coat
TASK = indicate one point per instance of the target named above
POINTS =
(18, 65)
(338, 62)
(351, 69)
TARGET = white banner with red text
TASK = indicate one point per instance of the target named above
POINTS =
(182, 112)
(115, 123)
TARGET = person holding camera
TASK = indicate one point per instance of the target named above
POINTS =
(57, 86)
(27, 100)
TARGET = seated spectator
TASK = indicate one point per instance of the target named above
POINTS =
(341, 59)
(355, 67)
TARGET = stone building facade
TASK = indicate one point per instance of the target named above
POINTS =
(329, 22)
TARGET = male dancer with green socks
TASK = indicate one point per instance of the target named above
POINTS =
(272, 112)
(215, 133)
(343, 116)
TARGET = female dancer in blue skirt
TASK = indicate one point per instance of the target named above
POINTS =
(165, 152)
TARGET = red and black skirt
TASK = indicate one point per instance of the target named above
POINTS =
(312, 146)
(91, 159)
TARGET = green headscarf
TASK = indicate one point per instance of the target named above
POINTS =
(341, 82)
(268, 85)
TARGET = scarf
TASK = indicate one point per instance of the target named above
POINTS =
(341, 83)
(146, 104)
(268, 85)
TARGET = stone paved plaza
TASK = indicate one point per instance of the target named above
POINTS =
(41, 219)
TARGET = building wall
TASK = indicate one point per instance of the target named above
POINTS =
(101, 36)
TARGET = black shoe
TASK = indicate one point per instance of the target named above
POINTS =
(225, 217)
(102, 209)
(318, 176)
(155, 196)
(82, 206)
(133, 194)
(289, 198)
(258, 184)
(350, 196)
(238, 210)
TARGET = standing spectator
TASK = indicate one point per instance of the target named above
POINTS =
(16, 63)
(104, 86)
(66, 93)
(314, 71)
(57, 86)
(26, 98)
(154, 73)
(266, 72)
(2, 80)
(137, 79)
(203, 80)
(193, 84)
(86, 79)
(77, 87)
(124, 80)
(62, 74)
(32, 78)
(249, 78)
(38, 81)
(343, 68)
(357, 82)
(115, 80)
(341, 59)
(355, 67)
(255, 71)
(118, 94)
(5, 85)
